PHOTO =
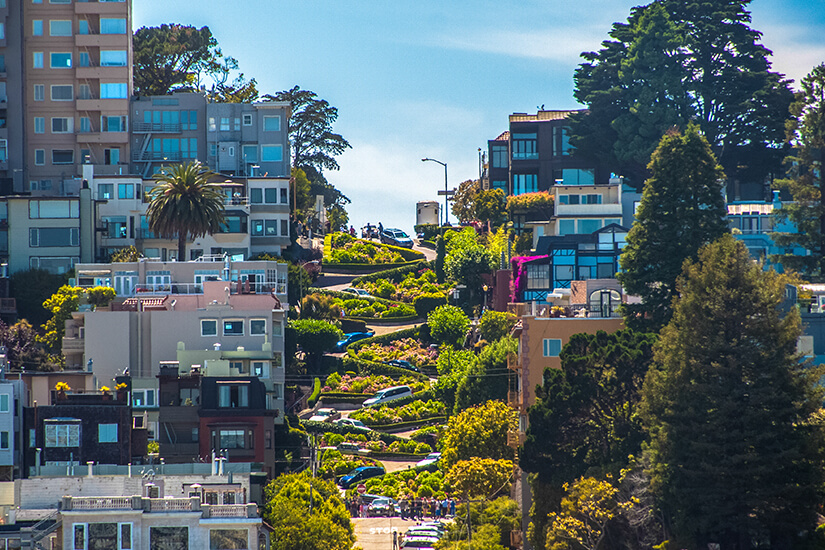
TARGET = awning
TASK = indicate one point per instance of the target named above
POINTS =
(236, 213)
(94, 273)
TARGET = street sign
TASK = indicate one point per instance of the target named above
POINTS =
(449, 193)
(361, 488)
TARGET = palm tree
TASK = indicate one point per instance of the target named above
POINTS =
(185, 205)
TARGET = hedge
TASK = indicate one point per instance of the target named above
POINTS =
(425, 303)
(346, 394)
(427, 244)
(365, 268)
(408, 254)
(424, 395)
(341, 399)
(405, 320)
(324, 427)
(395, 275)
(350, 296)
(398, 456)
(364, 367)
(402, 426)
(384, 339)
(316, 390)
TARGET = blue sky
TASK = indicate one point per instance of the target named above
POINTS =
(436, 78)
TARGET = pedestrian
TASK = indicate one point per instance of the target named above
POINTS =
(403, 506)
(394, 540)
(351, 231)
(445, 507)
(380, 229)
(452, 506)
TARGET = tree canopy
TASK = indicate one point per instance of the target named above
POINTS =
(478, 432)
(673, 62)
(804, 180)
(682, 208)
(448, 325)
(728, 402)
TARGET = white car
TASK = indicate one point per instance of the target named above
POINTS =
(431, 458)
(360, 292)
(325, 415)
(352, 423)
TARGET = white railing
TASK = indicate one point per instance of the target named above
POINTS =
(102, 503)
(170, 505)
(227, 511)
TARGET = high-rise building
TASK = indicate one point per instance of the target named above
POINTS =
(67, 82)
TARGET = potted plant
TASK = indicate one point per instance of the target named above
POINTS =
(62, 388)
(121, 390)
(104, 391)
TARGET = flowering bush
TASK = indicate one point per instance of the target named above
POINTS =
(359, 307)
(369, 384)
(540, 200)
(409, 288)
(406, 349)
(334, 464)
(520, 275)
(417, 410)
(409, 483)
(62, 386)
(348, 250)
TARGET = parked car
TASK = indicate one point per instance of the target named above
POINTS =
(352, 423)
(396, 237)
(401, 364)
(384, 507)
(360, 474)
(431, 458)
(351, 337)
(325, 415)
(388, 394)
(422, 531)
(349, 447)
(360, 292)
(419, 542)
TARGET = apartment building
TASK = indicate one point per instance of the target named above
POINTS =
(77, 81)
(534, 155)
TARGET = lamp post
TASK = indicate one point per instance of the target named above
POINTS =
(446, 191)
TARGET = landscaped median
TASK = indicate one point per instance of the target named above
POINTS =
(343, 252)
(369, 308)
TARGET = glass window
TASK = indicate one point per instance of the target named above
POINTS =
(224, 124)
(257, 326)
(85, 124)
(209, 327)
(84, 60)
(257, 228)
(113, 90)
(589, 226)
(126, 190)
(284, 196)
(60, 27)
(82, 27)
(524, 146)
(538, 276)
(212, 126)
(271, 196)
(256, 195)
(4, 402)
(37, 60)
(37, 27)
(237, 125)
(62, 156)
(64, 92)
(107, 433)
(60, 60)
(112, 26)
(525, 183)
(39, 92)
(62, 435)
(4, 440)
(247, 120)
(564, 273)
(271, 153)
(499, 156)
(84, 91)
(551, 347)
(39, 125)
(105, 191)
(561, 141)
(284, 228)
(39, 157)
(228, 539)
(62, 125)
(233, 328)
(250, 153)
(272, 124)
(112, 58)
(163, 538)
(125, 536)
(113, 123)
(271, 228)
(79, 536)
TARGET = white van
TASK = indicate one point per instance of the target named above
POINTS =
(388, 394)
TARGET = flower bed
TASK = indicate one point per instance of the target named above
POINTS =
(335, 463)
(386, 416)
(417, 483)
(341, 248)
(413, 284)
(406, 349)
(369, 384)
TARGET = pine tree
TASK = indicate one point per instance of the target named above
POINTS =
(734, 458)
(682, 208)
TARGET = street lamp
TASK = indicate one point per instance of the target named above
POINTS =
(446, 192)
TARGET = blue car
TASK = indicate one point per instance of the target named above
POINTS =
(351, 337)
(360, 474)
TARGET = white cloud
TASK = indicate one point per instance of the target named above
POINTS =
(553, 44)
(796, 48)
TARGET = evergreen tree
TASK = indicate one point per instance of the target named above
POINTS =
(727, 402)
(804, 180)
(682, 208)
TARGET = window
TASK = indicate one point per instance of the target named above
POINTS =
(83, 59)
(499, 156)
(62, 156)
(62, 435)
(538, 276)
(233, 396)
(125, 536)
(228, 539)
(256, 195)
(112, 26)
(83, 27)
(224, 124)
(589, 226)
(564, 273)
(4, 150)
(247, 120)
(272, 124)
(37, 60)
(162, 538)
(60, 27)
(113, 123)
(525, 183)
(63, 92)
(524, 146)
(113, 90)
(39, 125)
(551, 347)
(111, 156)
(60, 60)
(53, 236)
(232, 439)
(271, 196)
(112, 58)
(271, 153)
(116, 226)
(209, 327)
(42, 209)
(284, 228)
(561, 141)
(126, 190)
(4, 402)
(105, 191)
(143, 398)
(107, 433)
(284, 196)
(233, 328)
(84, 91)
(39, 92)
(212, 127)
(62, 125)
(257, 327)
(4, 440)
(37, 27)
(271, 228)
(257, 228)
(250, 153)
(85, 124)
(237, 125)
(39, 157)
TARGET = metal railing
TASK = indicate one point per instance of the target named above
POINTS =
(155, 127)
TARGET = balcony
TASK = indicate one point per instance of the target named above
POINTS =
(159, 505)
(74, 345)
(102, 137)
(115, 73)
(569, 210)
(513, 363)
(516, 439)
(138, 156)
(97, 105)
(155, 128)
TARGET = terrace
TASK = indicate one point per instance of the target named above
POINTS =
(159, 505)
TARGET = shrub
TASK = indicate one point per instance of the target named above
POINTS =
(423, 448)
(495, 324)
(425, 303)
(316, 391)
(448, 325)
